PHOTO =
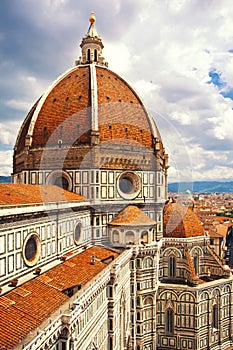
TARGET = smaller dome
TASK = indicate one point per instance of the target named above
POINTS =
(132, 216)
(181, 222)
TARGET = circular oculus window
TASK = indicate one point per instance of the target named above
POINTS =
(59, 178)
(77, 233)
(129, 185)
(31, 249)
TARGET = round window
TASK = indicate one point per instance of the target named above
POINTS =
(126, 185)
(77, 233)
(61, 182)
(31, 249)
(129, 185)
(59, 178)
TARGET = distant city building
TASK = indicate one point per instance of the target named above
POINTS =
(93, 254)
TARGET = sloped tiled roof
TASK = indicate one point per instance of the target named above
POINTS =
(181, 222)
(11, 194)
(22, 314)
(213, 233)
(222, 229)
(132, 216)
(24, 308)
(78, 270)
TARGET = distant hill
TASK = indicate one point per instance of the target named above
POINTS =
(5, 179)
(201, 187)
(182, 187)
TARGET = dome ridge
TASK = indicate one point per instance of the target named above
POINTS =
(154, 129)
(94, 106)
(181, 222)
(41, 101)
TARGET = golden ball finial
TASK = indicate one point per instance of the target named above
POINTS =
(92, 17)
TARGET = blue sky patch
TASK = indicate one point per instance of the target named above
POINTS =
(228, 93)
(216, 79)
(220, 84)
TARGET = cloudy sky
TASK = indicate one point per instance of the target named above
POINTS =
(178, 54)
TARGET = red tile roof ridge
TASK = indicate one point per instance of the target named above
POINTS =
(190, 263)
(12, 194)
(132, 216)
(217, 259)
(181, 221)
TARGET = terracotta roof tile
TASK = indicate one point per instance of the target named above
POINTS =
(214, 234)
(222, 229)
(132, 216)
(63, 276)
(128, 118)
(68, 104)
(24, 308)
(11, 194)
(22, 314)
(181, 222)
(67, 101)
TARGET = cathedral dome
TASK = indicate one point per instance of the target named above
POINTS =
(88, 105)
(181, 222)
(86, 99)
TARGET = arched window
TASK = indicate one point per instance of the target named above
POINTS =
(215, 315)
(88, 55)
(172, 266)
(148, 262)
(115, 236)
(144, 236)
(129, 237)
(169, 321)
(95, 55)
(196, 264)
(148, 313)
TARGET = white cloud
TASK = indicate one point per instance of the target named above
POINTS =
(8, 133)
(119, 63)
(6, 163)
(19, 105)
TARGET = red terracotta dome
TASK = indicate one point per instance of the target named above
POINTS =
(181, 222)
(65, 111)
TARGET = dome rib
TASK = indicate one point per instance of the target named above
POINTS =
(153, 126)
(94, 98)
(23, 132)
(43, 99)
(131, 119)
